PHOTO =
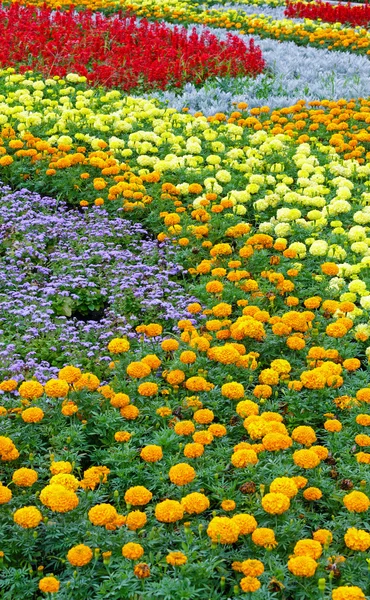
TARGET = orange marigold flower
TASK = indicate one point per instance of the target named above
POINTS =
(8, 385)
(250, 584)
(31, 390)
(195, 503)
(356, 502)
(152, 361)
(169, 511)
(27, 517)
(333, 425)
(348, 592)
(276, 441)
(252, 567)
(217, 430)
(242, 458)
(198, 384)
(132, 551)
(223, 530)
(310, 548)
(118, 345)
(262, 391)
(87, 381)
(302, 566)
(324, 536)
(188, 357)
(275, 503)
(181, 474)
(102, 514)
(70, 374)
(32, 415)
(142, 570)
(312, 493)
(194, 450)
(330, 268)
(203, 416)
(284, 485)
(233, 390)
(138, 495)
(129, 412)
(79, 555)
(363, 395)
(228, 505)
(138, 370)
(304, 435)
(24, 477)
(245, 408)
(175, 377)
(93, 476)
(203, 437)
(136, 519)
(363, 419)
(60, 466)
(306, 459)
(58, 498)
(184, 428)
(49, 584)
(265, 537)
(120, 400)
(357, 539)
(362, 440)
(246, 523)
(151, 453)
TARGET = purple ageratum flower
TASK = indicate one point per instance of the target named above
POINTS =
(70, 282)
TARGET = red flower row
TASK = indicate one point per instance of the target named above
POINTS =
(118, 51)
(341, 13)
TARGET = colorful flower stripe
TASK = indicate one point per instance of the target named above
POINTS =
(341, 13)
(209, 441)
(136, 53)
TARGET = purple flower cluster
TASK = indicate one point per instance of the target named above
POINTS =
(71, 281)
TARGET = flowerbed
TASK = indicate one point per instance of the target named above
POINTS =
(118, 52)
(340, 13)
(184, 397)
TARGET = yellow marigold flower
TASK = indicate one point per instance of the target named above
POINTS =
(306, 459)
(333, 425)
(312, 493)
(363, 395)
(8, 385)
(184, 428)
(245, 408)
(242, 458)
(24, 477)
(348, 592)
(276, 441)
(142, 570)
(56, 388)
(170, 345)
(69, 409)
(120, 400)
(132, 551)
(252, 567)
(203, 437)
(193, 450)
(49, 584)
(203, 416)
(169, 511)
(118, 346)
(362, 440)
(87, 380)
(310, 548)
(138, 495)
(268, 377)
(357, 539)
(262, 391)
(356, 502)
(93, 476)
(67, 480)
(304, 435)
(284, 485)
(176, 559)
(58, 498)
(324, 536)
(223, 530)
(164, 411)
(233, 390)
(136, 519)
(102, 514)
(70, 374)
(321, 451)
(151, 453)
(148, 389)
(275, 503)
(188, 357)
(5, 494)
(31, 390)
(281, 366)
(228, 505)
(250, 584)
(302, 566)
(300, 481)
(265, 537)
(217, 430)
(27, 517)
(79, 555)
(181, 474)
(153, 329)
(32, 415)
(246, 523)
(60, 466)
(106, 391)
